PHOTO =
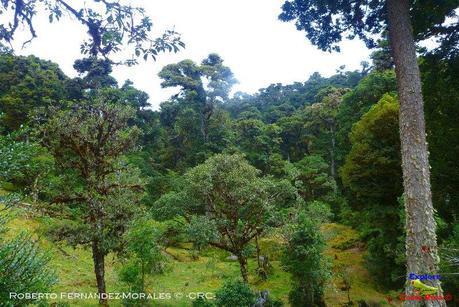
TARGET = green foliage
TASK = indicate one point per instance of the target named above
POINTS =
(440, 89)
(313, 180)
(357, 102)
(110, 28)
(257, 140)
(97, 193)
(449, 263)
(196, 126)
(322, 125)
(222, 170)
(170, 205)
(295, 142)
(189, 76)
(235, 293)
(26, 84)
(278, 101)
(173, 232)
(231, 189)
(327, 23)
(24, 268)
(228, 195)
(341, 237)
(382, 58)
(96, 74)
(201, 231)
(143, 254)
(304, 259)
(319, 212)
(273, 303)
(372, 169)
(24, 164)
(372, 173)
(202, 302)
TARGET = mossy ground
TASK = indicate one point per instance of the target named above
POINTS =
(206, 273)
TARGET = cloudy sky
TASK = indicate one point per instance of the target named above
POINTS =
(258, 48)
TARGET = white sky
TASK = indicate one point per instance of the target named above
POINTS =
(258, 47)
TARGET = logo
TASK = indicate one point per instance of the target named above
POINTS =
(414, 276)
(423, 289)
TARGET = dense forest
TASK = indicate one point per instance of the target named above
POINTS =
(297, 195)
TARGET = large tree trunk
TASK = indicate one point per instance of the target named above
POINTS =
(99, 268)
(421, 240)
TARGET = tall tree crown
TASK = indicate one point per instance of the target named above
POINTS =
(210, 78)
(327, 22)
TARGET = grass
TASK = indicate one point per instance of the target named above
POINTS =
(206, 274)
(348, 254)
(186, 274)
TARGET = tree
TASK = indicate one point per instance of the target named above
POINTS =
(195, 124)
(296, 141)
(181, 143)
(95, 74)
(304, 259)
(441, 93)
(110, 25)
(441, 90)
(143, 254)
(313, 180)
(372, 174)
(99, 189)
(228, 193)
(257, 140)
(204, 86)
(382, 59)
(28, 83)
(357, 102)
(321, 120)
(325, 24)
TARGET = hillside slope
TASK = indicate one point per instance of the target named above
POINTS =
(205, 273)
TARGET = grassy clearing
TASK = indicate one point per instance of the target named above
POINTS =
(207, 272)
(348, 254)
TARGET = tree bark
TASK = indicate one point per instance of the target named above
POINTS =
(243, 266)
(420, 222)
(99, 269)
(258, 251)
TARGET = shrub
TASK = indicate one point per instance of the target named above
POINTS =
(23, 268)
(202, 302)
(235, 293)
(304, 259)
